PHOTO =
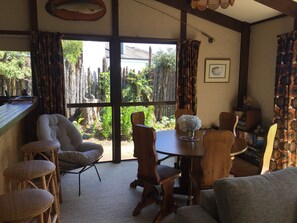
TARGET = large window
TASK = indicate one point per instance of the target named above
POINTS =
(87, 80)
(148, 72)
(15, 73)
(86, 71)
(148, 76)
(148, 81)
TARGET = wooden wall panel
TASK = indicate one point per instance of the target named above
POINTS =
(11, 141)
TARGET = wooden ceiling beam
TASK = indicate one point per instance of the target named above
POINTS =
(288, 7)
(207, 14)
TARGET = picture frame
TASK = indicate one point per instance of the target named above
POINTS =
(217, 70)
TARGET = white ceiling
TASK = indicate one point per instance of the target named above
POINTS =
(248, 11)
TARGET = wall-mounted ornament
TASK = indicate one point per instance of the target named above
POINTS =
(211, 4)
(88, 10)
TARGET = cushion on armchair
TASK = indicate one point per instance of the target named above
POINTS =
(263, 198)
(80, 158)
(57, 127)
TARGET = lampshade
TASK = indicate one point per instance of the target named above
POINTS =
(211, 4)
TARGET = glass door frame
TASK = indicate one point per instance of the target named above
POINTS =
(115, 83)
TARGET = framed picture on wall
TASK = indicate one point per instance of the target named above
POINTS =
(217, 70)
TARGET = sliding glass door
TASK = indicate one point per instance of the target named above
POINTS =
(87, 78)
(148, 80)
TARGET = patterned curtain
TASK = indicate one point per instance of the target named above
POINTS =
(48, 72)
(285, 102)
(187, 71)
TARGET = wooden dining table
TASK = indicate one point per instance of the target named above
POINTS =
(169, 142)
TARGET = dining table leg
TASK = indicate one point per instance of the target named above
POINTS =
(183, 188)
(187, 166)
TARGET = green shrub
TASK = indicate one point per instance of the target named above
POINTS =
(106, 122)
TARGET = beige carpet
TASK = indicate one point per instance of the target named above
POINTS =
(109, 201)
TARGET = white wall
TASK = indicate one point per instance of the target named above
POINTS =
(213, 98)
(262, 63)
(150, 19)
(14, 16)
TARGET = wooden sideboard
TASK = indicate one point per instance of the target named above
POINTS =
(17, 127)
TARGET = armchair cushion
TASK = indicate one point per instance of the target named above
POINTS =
(59, 128)
(86, 146)
(79, 158)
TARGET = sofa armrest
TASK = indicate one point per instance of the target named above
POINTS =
(194, 213)
(262, 198)
(208, 203)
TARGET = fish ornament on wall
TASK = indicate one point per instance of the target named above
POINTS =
(87, 10)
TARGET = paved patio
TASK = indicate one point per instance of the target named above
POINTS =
(126, 147)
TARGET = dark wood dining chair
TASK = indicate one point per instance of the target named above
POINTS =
(228, 121)
(139, 118)
(152, 174)
(242, 168)
(215, 163)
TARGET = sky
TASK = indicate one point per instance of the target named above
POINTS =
(155, 47)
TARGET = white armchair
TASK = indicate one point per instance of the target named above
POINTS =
(73, 152)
